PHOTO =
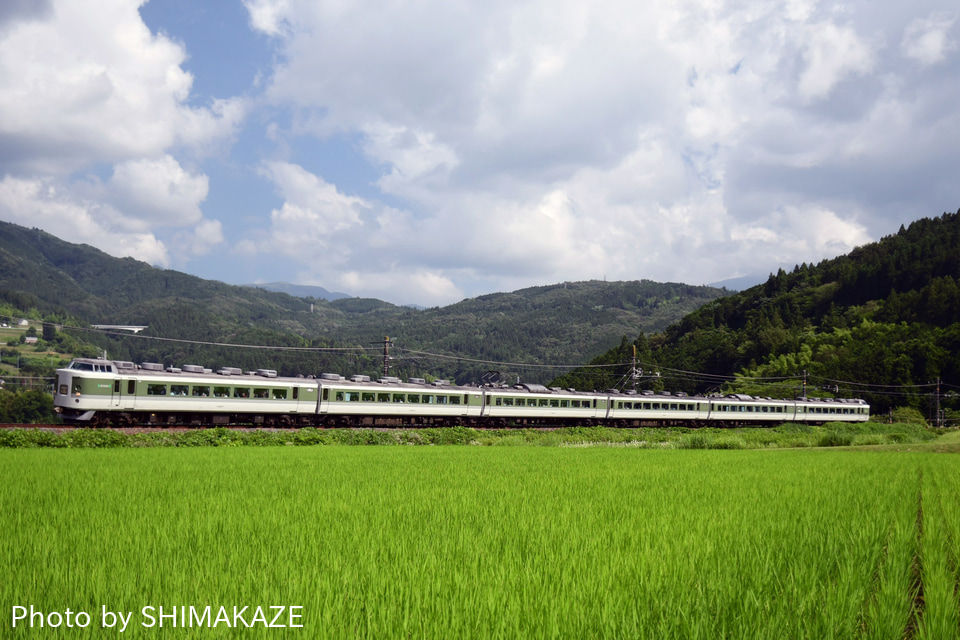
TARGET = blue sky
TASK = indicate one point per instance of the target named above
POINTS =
(424, 152)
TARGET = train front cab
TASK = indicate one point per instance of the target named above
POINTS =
(88, 386)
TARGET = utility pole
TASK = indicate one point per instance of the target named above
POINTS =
(804, 384)
(938, 422)
(386, 354)
(633, 369)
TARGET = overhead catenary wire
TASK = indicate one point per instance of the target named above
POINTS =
(207, 343)
(899, 390)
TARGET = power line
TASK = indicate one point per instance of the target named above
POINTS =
(665, 372)
(221, 344)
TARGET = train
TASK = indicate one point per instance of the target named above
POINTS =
(109, 393)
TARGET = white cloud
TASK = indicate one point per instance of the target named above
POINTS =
(801, 234)
(199, 241)
(158, 190)
(832, 53)
(39, 203)
(84, 86)
(508, 143)
(87, 83)
(422, 286)
(414, 157)
(926, 39)
(537, 141)
(267, 15)
(310, 201)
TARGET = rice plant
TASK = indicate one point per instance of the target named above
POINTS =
(499, 542)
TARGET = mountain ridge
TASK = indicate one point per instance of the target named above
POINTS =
(560, 323)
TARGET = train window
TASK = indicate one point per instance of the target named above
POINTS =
(499, 401)
(428, 399)
(575, 403)
(63, 389)
(116, 386)
(441, 399)
(201, 392)
(353, 396)
(619, 405)
(296, 392)
(241, 392)
(383, 397)
(564, 403)
(508, 402)
(261, 393)
(179, 390)
(454, 399)
(156, 389)
(399, 398)
(131, 387)
(368, 397)
(279, 394)
(221, 392)
(339, 397)
(542, 402)
(554, 402)
(413, 398)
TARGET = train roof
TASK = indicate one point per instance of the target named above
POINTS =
(235, 374)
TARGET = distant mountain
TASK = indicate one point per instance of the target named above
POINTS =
(882, 323)
(563, 323)
(739, 284)
(300, 290)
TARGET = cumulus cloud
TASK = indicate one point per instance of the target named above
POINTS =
(503, 143)
(832, 53)
(158, 190)
(541, 141)
(85, 87)
(88, 82)
(927, 40)
(206, 236)
(40, 203)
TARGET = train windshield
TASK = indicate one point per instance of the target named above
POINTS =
(90, 366)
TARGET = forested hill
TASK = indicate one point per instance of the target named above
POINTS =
(565, 323)
(886, 315)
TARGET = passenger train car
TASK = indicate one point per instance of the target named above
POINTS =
(113, 393)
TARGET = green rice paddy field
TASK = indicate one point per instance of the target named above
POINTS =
(508, 542)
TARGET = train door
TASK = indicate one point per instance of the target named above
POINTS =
(128, 393)
(323, 405)
(115, 394)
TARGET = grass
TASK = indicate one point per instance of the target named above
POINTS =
(783, 436)
(490, 541)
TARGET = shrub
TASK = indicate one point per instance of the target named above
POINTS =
(693, 441)
(834, 439)
(908, 415)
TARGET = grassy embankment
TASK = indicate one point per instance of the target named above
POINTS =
(783, 436)
(440, 542)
